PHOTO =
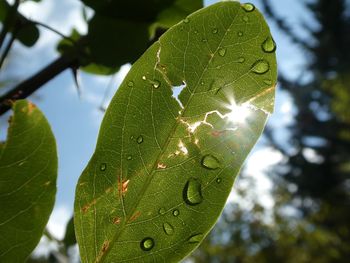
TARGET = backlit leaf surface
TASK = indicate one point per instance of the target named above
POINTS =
(163, 168)
(28, 172)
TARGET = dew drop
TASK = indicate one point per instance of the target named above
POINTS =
(147, 244)
(248, 7)
(195, 238)
(222, 52)
(196, 31)
(168, 229)
(176, 212)
(215, 30)
(161, 211)
(240, 33)
(139, 139)
(268, 82)
(129, 157)
(156, 84)
(186, 20)
(192, 192)
(210, 162)
(144, 77)
(218, 180)
(269, 45)
(260, 67)
(103, 167)
(130, 83)
(245, 19)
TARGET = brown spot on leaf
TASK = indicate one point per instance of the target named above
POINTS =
(217, 133)
(31, 107)
(123, 187)
(87, 206)
(116, 220)
(105, 246)
(134, 216)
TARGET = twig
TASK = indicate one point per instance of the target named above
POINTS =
(27, 87)
(7, 49)
(53, 30)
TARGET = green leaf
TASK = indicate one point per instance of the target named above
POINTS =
(69, 237)
(26, 32)
(178, 11)
(136, 10)
(28, 172)
(114, 42)
(161, 172)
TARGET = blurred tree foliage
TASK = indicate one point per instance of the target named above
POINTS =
(310, 220)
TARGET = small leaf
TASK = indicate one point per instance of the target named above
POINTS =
(154, 199)
(114, 42)
(69, 237)
(28, 172)
(26, 32)
(176, 12)
(136, 10)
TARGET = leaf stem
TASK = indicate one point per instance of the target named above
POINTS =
(10, 18)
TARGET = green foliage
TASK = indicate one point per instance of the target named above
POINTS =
(28, 171)
(121, 31)
(69, 237)
(25, 31)
(161, 172)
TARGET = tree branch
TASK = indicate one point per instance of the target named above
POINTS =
(27, 87)
(9, 20)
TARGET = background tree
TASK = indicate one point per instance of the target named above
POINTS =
(310, 221)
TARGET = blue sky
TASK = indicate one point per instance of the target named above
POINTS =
(75, 121)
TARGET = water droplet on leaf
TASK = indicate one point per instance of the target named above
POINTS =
(192, 192)
(268, 82)
(215, 30)
(139, 139)
(210, 162)
(176, 212)
(240, 33)
(130, 83)
(144, 77)
(222, 51)
(218, 180)
(248, 7)
(168, 229)
(147, 244)
(269, 45)
(161, 211)
(195, 238)
(156, 84)
(260, 67)
(186, 20)
(245, 19)
(129, 157)
(103, 167)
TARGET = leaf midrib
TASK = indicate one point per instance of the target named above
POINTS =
(175, 126)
